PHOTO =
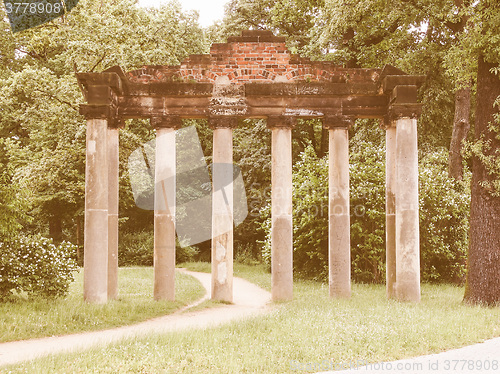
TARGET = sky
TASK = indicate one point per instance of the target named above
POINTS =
(209, 10)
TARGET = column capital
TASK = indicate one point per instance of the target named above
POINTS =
(281, 121)
(223, 122)
(107, 112)
(167, 121)
(332, 122)
(398, 111)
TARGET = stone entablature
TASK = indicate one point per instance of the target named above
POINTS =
(251, 76)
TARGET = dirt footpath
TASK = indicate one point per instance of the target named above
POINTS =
(249, 300)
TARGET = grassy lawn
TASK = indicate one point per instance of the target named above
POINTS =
(311, 329)
(40, 318)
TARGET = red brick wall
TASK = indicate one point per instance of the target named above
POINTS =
(255, 56)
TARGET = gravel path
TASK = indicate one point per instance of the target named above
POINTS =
(249, 300)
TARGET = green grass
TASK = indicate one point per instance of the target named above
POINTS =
(40, 317)
(310, 329)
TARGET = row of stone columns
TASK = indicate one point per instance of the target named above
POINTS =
(402, 213)
(101, 210)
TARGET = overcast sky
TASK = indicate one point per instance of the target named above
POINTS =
(209, 10)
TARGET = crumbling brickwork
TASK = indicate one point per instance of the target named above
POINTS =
(255, 56)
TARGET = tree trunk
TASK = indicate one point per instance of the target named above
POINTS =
(312, 136)
(324, 143)
(461, 126)
(483, 263)
(55, 229)
(78, 237)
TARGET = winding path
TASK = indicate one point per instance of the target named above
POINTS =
(249, 300)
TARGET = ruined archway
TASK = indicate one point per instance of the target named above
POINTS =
(253, 76)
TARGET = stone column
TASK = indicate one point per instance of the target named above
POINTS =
(164, 215)
(113, 187)
(281, 210)
(95, 276)
(390, 209)
(339, 241)
(222, 208)
(407, 217)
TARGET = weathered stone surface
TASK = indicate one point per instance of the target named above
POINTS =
(297, 89)
(407, 219)
(215, 122)
(390, 210)
(222, 215)
(396, 111)
(167, 121)
(281, 121)
(112, 80)
(97, 111)
(390, 81)
(337, 121)
(113, 177)
(281, 213)
(403, 94)
(247, 65)
(95, 273)
(339, 245)
(164, 215)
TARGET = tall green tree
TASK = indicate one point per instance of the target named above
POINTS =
(483, 266)
(40, 97)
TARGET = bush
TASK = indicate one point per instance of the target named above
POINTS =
(137, 249)
(444, 212)
(35, 266)
(310, 218)
(185, 254)
(444, 220)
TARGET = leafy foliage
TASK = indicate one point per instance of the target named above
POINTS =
(137, 248)
(294, 19)
(252, 153)
(39, 99)
(367, 190)
(444, 220)
(35, 266)
(13, 201)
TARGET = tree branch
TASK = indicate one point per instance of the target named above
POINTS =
(34, 55)
(375, 39)
(98, 62)
(56, 98)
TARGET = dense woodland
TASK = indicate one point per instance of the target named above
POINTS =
(454, 43)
